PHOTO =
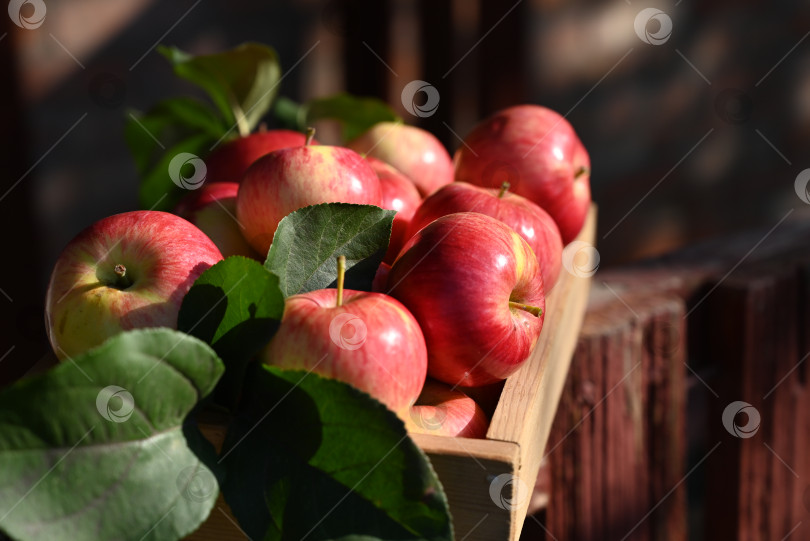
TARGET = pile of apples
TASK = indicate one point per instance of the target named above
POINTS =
(458, 302)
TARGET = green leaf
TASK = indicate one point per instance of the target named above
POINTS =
(173, 126)
(355, 114)
(242, 82)
(308, 241)
(96, 448)
(315, 458)
(235, 306)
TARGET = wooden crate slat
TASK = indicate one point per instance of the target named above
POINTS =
(530, 396)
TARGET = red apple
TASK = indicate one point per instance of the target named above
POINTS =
(414, 152)
(289, 179)
(475, 287)
(401, 195)
(124, 272)
(368, 340)
(229, 162)
(380, 281)
(537, 151)
(212, 208)
(530, 221)
(486, 396)
(442, 411)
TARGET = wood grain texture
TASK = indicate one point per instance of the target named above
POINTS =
(758, 484)
(489, 481)
(617, 448)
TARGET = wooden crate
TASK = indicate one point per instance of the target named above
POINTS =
(489, 481)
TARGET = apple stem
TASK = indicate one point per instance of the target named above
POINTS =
(341, 271)
(310, 135)
(533, 310)
(122, 281)
(504, 188)
(581, 171)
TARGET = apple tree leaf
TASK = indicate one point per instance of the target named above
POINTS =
(100, 447)
(154, 138)
(354, 114)
(235, 306)
(242, 82)
(308, 241)
(316, 458)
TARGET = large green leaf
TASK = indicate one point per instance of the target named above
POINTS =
(242, 82)
(315, 458)
(354, 114)
(308, 241)
(235, 306)
(96, 448)
(172, 126)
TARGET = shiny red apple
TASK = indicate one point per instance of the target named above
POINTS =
(476, 289)
(230, 161)
(538, 152)
(442, 411)
(529, 220)
(380, 281)
(212, 208)
(124, 272)
(401, 195)
(292, 178)
(414, 152)
(368, 340)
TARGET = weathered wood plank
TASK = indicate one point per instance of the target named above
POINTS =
(619, 442)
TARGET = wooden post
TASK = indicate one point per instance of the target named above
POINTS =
(618, 443)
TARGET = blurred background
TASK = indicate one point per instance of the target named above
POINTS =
(698, 133)
(695, 114)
